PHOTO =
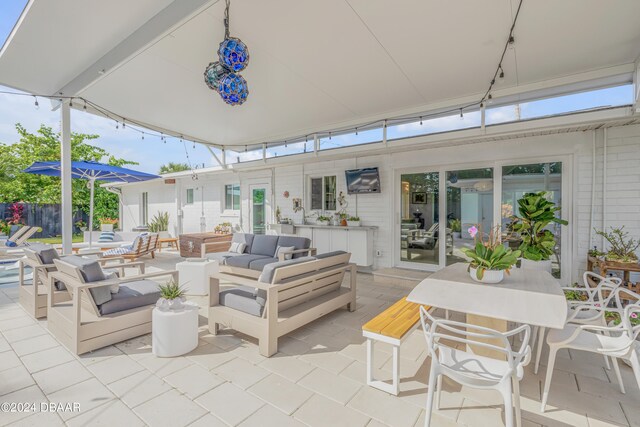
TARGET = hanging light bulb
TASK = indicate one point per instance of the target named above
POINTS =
(461, 115)
(490, 99)
(143, 136)
(36, 104)
(117, 125)
(356, 131)
(420, 120)
(70, 102)
(124, 125)
(85, 106)
(501, 72)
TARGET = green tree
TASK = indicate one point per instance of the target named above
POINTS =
(173, 167)
(44, 145)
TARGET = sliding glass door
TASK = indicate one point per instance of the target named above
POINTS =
(433, 230)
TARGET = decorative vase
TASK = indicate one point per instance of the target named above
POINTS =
(353, 223)
(527, 264)
(322, 223)
(170, 304)
(106, 227)
(490, 276)
(343, 222)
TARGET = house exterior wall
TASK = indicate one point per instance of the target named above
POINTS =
(574, 149)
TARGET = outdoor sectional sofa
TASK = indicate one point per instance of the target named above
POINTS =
(259, 251)
(266, 297)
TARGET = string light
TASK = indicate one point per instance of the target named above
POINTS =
(461, 115)
(36, 104)
(143, 136)
(420, 120)
(85, 106)
(501, 71)
(124, 125)
(356, 131)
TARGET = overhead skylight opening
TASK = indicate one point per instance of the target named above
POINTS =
(425, 126)
(616, 96)
(356, 137)
(299, 146)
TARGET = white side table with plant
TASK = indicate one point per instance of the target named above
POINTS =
(174, 323)
(538, 242)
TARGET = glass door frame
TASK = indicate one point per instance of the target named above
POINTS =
(568, 242)
(267, 204)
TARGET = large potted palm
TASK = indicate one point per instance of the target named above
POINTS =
(536, 212)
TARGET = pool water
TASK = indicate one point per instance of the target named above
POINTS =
(9, 272)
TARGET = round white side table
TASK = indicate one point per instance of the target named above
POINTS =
(174, 332)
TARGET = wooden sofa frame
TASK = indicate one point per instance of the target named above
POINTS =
(78, 324)
(299, 294)
(33, 298)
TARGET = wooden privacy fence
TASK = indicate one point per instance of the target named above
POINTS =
(46, 216)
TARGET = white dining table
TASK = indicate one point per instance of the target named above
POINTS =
(532, 297)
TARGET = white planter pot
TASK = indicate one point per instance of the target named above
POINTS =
(322, 223)
(170, 304)
(490, 276)
(353, 223)
(106, 227)
(527, 264)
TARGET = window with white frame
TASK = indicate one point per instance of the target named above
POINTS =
(323, 193)
(144, 208)
(189, 196)
(232, 197)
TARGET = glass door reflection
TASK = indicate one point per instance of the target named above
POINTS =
(419, 237)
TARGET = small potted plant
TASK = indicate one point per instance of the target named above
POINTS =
(107, 224)
(323, 220)
(223, 228)
(538, 243)
(160, 224)
(4, 228)
(171, 296)
(621, 248)
(489, 258)
(456, 228)
(353, 221)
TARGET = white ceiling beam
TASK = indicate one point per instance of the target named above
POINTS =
(163, 23)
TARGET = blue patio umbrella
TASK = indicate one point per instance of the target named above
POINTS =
(92, 172)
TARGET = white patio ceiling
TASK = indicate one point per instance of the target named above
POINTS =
(315, 65)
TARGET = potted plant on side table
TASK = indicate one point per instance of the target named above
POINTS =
(353, 221)
(171, 296)
(538, 243)
(490, 258)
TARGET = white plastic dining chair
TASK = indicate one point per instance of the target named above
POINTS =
(469, 369)
(585, 312)
(616, 342)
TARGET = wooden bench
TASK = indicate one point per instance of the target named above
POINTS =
(391, 326)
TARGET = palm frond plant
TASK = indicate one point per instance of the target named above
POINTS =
(621, 247)
(160, 222)
(489, 253)
(536, 213)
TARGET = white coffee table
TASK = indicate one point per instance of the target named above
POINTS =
(194, 275)
(174, 332)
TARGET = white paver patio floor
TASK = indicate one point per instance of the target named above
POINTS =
(316, 379)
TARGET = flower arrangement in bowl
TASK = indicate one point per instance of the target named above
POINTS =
(224, 228)
(621, 248)
(353, 221)
(171, 296)
(107, 224)
(323, 220)
(490, 259)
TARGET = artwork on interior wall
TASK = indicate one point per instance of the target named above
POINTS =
(297, 204)
(419, 198)
(285, 194)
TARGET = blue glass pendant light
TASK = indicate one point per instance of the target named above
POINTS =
(222, 76)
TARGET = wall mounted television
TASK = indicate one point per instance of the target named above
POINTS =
(361, 181)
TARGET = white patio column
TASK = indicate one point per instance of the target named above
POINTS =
(65, 177)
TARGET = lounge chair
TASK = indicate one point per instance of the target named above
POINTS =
(18, 240)
(33, 297)
(96, 317)
(144, 244)
(287, 295)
